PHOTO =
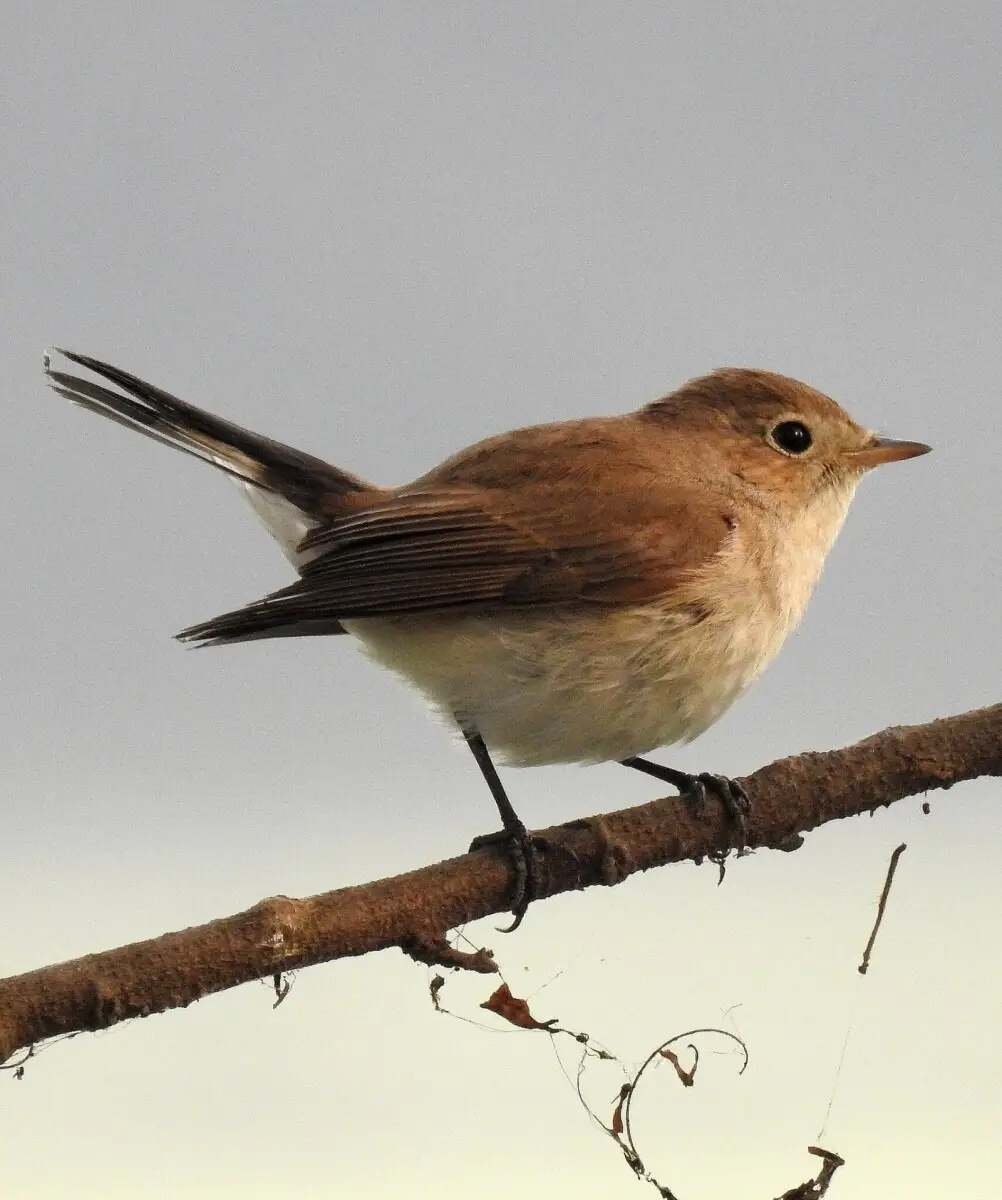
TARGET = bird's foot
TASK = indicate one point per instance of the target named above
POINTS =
(693, 790)
(731, 794)
(522, 849)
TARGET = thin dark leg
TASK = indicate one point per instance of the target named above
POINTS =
(677, 779)
(524, 856)
(509, 817)
(694, 787)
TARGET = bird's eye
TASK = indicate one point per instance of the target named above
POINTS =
(792, 436)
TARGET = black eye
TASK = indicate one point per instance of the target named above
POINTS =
(792, 436)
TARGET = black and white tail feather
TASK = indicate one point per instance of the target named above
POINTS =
(300, 478)
(289, 490)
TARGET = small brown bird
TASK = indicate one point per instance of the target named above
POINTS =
(578, 592)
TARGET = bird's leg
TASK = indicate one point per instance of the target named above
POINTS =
(521, 845)
(693, 788)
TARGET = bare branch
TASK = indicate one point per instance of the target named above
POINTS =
(415, 911)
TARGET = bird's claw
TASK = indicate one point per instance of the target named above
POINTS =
(523, 853)
(731, 794)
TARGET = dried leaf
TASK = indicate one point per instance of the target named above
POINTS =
(685, 1076)
(515, 1010)
(617, 1116)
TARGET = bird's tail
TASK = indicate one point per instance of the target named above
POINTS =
(309, 484)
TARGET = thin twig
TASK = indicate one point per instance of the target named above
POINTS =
(892, 866)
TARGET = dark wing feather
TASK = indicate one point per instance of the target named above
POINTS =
(457, 547)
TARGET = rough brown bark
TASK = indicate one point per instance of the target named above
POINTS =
(415, 911)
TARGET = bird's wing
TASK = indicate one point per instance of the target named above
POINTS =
(450, 546)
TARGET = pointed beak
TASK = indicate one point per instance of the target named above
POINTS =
(886, 450)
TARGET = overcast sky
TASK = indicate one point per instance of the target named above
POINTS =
(381, 232)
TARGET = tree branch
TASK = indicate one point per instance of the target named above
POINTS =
(415, 911)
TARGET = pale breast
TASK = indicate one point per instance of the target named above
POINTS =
(584, 686)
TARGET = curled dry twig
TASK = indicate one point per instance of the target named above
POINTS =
(625, 1106)
(516, 1011)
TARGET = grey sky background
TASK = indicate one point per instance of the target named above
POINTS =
(381, 232)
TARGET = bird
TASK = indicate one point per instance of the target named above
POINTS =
(583, 591)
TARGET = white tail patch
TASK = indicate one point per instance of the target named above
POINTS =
(286, 523)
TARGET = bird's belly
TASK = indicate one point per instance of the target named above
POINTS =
(583, 685)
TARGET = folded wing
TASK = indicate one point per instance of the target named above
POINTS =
(458, 547)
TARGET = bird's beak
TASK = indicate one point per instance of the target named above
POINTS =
(886, 450)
